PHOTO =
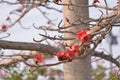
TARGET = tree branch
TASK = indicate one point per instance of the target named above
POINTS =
(28, 46)
(38, 47)
(15, 59)
(106, 57)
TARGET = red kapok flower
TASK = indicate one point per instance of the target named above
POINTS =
(96, 1)
(61, 56)
(83, 36)
(4, 27)
(70, 54)
(75, 48)
(49, 22)
(38, 58)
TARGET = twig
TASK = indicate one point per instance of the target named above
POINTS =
(106, 57)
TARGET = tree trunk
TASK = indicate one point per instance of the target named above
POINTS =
(79, 69)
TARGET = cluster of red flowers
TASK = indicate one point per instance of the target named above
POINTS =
(74, 50)
(49, 22)
(38, 58)
(70, 53)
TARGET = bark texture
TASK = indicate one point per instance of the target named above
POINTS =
(77, 69)
(28, 46)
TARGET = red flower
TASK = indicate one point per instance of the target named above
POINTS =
(75, 48)
(49, 22)
(83, 36)
(61, 56)
(38, 58)
(96, 1)
(57, 1)
(70, 54)
(4, 27)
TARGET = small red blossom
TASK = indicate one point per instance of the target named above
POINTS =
(70, 54)
(75, 48)
(61, 56)
(49, 22)
(83, 36)
(65, 55)
(96, 1)
(4, 27)
(57, 1)
(38, 58)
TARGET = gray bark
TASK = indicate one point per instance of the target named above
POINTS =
(28, 46)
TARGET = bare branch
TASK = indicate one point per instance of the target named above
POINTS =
(27, 46)
(106, 57)
(86, 6)
(15, 59)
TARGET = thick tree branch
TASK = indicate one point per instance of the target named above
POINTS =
(22, 58)
(38, 47)
(28, 46)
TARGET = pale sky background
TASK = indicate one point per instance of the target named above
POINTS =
(34, 16)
